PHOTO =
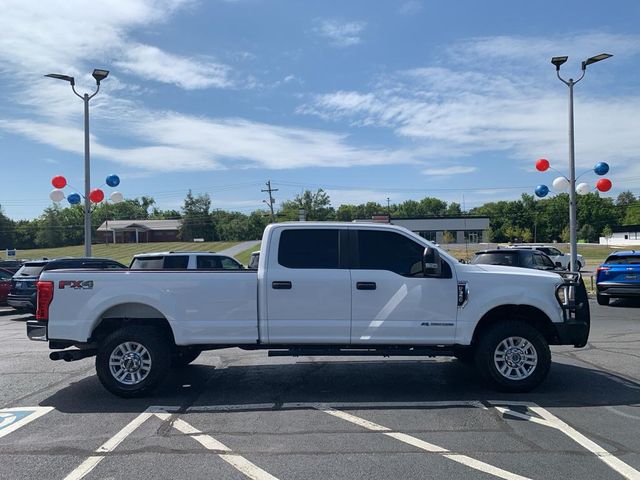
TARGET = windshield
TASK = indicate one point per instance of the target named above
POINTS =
(623, 260)
(147, 263)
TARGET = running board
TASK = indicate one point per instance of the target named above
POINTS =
(362, 352)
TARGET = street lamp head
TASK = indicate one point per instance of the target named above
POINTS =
(100, 75)
(66, 78)
(557, 61)
(594, 59)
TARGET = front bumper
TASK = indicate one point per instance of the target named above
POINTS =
(37, 330)
(577, 317)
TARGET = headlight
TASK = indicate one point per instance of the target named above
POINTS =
(566, 294)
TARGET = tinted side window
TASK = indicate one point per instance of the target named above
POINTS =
(496, 258)
(5, 275)
(176, 262)
(309, 248)
(207, 262)
(389, 251)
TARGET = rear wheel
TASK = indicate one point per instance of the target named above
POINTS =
(513, 356)
(132, 361)
(602, 300)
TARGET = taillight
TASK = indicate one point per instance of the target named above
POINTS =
(44, 298)
(602, 269)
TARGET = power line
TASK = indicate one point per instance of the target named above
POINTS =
(271, 200)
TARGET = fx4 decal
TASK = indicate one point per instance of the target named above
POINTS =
(76, 284)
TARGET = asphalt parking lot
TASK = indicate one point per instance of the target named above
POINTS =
(235, 415)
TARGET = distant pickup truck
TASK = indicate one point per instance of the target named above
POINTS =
(328, 289)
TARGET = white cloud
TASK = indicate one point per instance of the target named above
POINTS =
(341, 34)
(455, 170)
(490, 106)
(151, 63)
(410, 7)
(66, 37)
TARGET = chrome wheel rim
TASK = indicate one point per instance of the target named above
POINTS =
(130, 363)
(515, 358)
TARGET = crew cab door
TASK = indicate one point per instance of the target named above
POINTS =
(392, 301)
(308, 293)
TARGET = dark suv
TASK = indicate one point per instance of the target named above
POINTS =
(513, 257)
(23, 284)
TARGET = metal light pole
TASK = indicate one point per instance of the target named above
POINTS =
(99, 75)
(573, 242)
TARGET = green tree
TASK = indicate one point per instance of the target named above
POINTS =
(7, 231)
(196, 218)
(632, 216)
(317, 206)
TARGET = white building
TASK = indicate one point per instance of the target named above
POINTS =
(627, 235)
(464, 229)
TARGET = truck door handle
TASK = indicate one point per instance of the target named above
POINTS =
(281, 285)
(366, 285)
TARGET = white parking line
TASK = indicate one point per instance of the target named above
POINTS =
(90, 463)
(550, 420)
(421, 444)
(11, 419)
(237, 461)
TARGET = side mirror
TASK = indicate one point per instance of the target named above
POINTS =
(558, 264)
(431, 265)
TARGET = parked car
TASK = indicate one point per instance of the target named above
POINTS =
(618, 276)
(184, 261)
(254, 259)
(5, 285)
(557, 257)
(23, 287)
(12, 265)
(515, 257)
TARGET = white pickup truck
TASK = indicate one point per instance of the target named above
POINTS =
(320, 289)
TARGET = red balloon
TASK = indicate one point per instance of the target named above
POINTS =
(59, 181)
(604, 185)
(542, 165)
(96, 195)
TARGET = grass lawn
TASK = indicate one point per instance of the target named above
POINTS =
(243, 257)
(123, 252)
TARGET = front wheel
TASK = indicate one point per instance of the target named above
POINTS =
(132, 361)
(513, 356)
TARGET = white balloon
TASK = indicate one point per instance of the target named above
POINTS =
(561, 184)
(56, 195)
(116, 197)
(583, 188)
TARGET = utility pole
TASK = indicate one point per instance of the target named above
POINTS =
(271, 200)
(389, 209)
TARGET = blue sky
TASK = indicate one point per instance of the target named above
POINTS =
(366, 99)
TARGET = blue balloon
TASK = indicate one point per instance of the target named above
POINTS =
(113, 180)
(542, 191)
(601, 168)
(74, 199)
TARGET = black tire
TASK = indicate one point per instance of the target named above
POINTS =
(183, 356)
(158, 356)
(602, 300)
(531, 375)
(465, 355)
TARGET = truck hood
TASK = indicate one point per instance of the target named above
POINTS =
(507, 271)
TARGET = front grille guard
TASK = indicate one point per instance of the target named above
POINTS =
(573, 299)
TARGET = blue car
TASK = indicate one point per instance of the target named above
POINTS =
(618, 276)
